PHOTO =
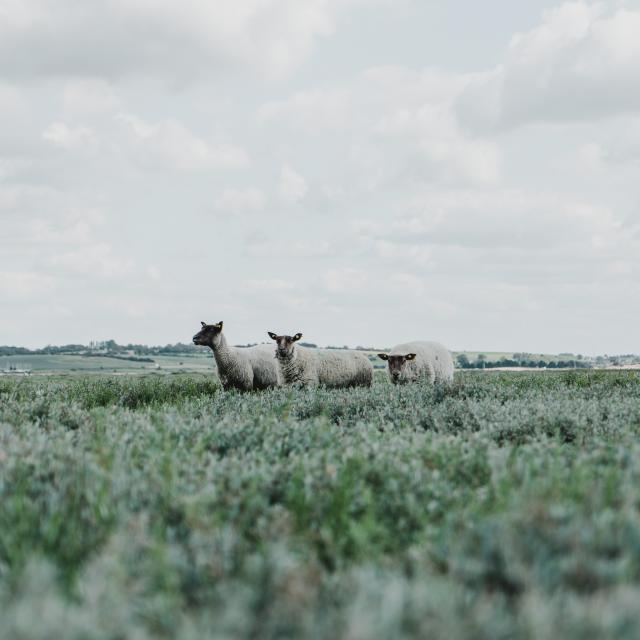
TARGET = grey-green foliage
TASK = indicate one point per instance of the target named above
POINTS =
(504, 506)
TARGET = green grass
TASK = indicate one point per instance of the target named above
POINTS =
(506, 506)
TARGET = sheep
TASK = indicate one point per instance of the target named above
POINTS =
(419, 360)
(312, 367)
(245, 369)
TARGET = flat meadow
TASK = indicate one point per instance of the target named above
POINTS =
(151, 506)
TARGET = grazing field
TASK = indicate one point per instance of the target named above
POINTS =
(149, 506)
(71, 364)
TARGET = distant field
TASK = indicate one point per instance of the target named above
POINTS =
(98, 364)
(500, 355)
(158, 506)
(39, 364)
(42, 364)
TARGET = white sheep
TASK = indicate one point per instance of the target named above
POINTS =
(312, 367)
(419, 360)
(245, 368)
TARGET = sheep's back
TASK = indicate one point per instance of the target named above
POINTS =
(343, 368)
(262, 359)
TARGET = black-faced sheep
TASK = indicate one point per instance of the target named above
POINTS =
(246, 368)
(419, 360)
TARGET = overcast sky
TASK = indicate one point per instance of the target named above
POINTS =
(363, 171)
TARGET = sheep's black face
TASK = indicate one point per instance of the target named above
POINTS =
(397, 365)
(285, 344)
(208, 334)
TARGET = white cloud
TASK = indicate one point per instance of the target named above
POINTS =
(580, 62)
(98, 259)
(591, 156)
(313, 111)
(507, 218)
(16, 110)
(21, 202)
(179, 42)
(345, 280)
(382, 290)
(90, 96)
(510, 251)
(273, 285)
(399, 125)
(286, 299)
(237, 201)
(71, 138)
(417, 255)
(168, 144)
(448, 153)
(11, 100)
(20, 285)
(619, 146)
(293, 187)
(71, 229)
(153, 272)
(260, 245)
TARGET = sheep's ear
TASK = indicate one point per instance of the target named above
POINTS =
(384, 356)
(219, 325)
(272, 335)
(204, 324)
(297, 337)
(410, 356)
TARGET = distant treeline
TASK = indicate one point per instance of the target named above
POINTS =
(463, 362)
(112, 347)
(108, 347)
(117, 356)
